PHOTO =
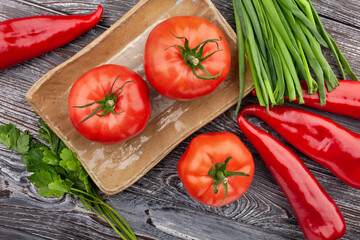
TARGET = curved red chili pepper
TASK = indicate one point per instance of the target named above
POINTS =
(323, 140)
(25, 38)
(343, 100)
(317, 214)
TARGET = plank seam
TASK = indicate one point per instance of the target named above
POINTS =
(338, 21)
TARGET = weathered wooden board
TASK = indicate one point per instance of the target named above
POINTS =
(157, 206)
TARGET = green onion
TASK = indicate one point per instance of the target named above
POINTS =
(282, 40)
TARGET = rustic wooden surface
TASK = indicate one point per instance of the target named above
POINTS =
(157, 206)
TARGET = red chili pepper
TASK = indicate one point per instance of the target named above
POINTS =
(323, 140)
(343, 100)
(25, 38)
(317, 214)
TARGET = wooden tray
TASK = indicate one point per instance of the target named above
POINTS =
(114, 168)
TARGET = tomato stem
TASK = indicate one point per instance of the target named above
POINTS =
(107, 104)
(193, 60)
(220, 175)
(193, 57)
(110, 103)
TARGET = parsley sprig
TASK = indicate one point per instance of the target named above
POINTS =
(57, 171)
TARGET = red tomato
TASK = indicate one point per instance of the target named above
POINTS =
(206, 167)
(124, 116)
(168, 69)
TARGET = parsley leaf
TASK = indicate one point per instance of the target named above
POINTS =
(41, 178)
(8, 135)
(75, 171)
(69, 160)
(49, 183)
(49, 156)
(59, 187)
(33, 159)
(23, 143)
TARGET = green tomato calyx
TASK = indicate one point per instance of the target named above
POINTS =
(107, 104)
(220, 175)
(194, 57)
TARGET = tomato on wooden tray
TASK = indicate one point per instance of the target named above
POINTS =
(186, 57)
(216, 168)
(109, 104)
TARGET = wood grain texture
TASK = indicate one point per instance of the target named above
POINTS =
(157, 206)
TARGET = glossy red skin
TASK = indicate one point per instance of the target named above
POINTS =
(343, 100)
(166, 70)
(323, 140)
(22, 39)
(205, 150)
(317, 214)
(112, 128)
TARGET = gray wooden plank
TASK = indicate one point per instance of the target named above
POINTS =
(343, 11)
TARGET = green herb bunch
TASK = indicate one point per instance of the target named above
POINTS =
(283, 40)
(57, 171)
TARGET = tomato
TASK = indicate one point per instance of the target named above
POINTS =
(170, 57)
(109, 104)
(216, 168)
